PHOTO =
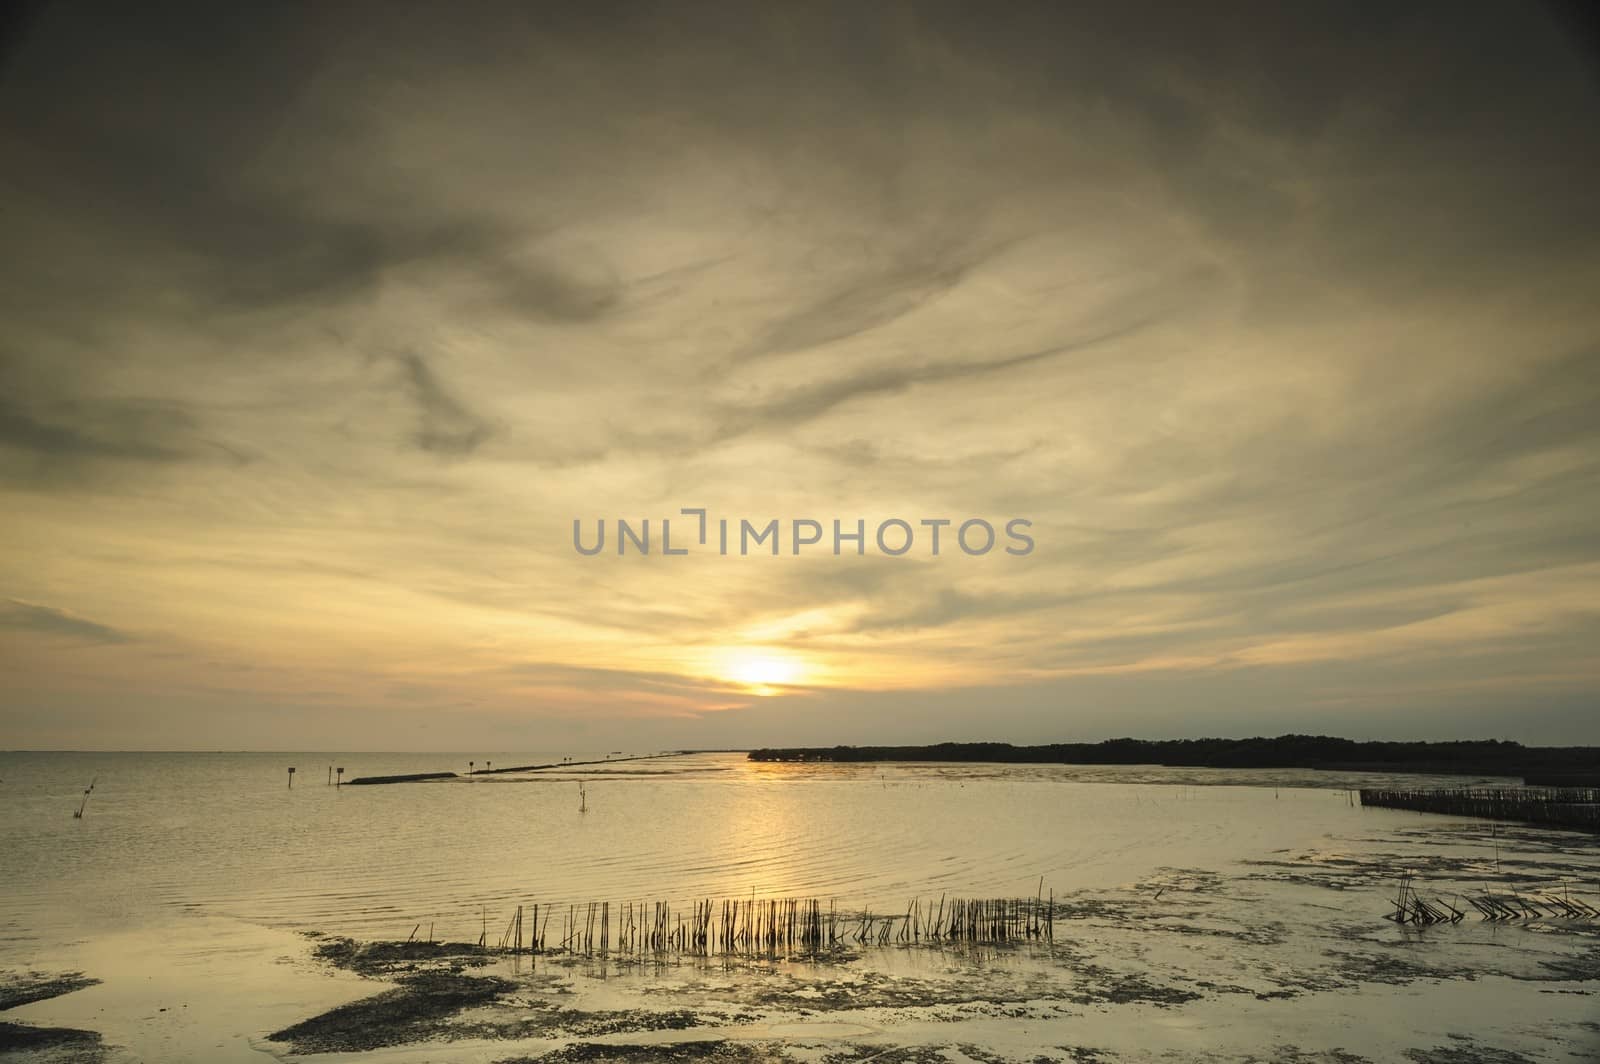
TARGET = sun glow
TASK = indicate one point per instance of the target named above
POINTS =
(761, 673)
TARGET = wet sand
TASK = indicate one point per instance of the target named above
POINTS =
(1285, 959)
(1290, 961)
(48, 1045)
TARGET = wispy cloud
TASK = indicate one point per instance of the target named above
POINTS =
(1281, 335)
(806, 402)
(49, 621)
(447, 426)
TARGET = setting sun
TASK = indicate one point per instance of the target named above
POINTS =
(761, 673)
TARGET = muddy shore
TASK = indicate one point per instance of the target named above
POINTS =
(46, 1045)
(1192, 944)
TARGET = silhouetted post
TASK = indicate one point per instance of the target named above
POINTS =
(487, 765)
(85, 803)
(470, 766)
(340, 781)
(291, 777)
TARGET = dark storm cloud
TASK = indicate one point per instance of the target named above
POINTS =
(196, 146)
(160, 128)
(219, 158)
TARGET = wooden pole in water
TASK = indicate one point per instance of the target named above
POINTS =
(291, 777)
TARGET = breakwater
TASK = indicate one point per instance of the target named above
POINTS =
(417, 777)
(409, 777)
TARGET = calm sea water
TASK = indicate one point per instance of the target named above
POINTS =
(223, 835)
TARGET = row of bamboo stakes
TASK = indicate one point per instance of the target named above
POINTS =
(1410, 907)
(1565, 807)
(768, 925)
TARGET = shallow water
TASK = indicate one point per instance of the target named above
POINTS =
(223, 834)
(1207, 908)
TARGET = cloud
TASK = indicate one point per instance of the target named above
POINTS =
(791, 406)
(93, 430)
(951, 605)
(78, 442)
(857, 286)
(1281, 334)
(49, 621)
(447, 427)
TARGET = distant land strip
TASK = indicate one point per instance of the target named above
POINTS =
(1572, 765)
(418, 777)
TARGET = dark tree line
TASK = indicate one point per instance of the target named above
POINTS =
(1489, 756)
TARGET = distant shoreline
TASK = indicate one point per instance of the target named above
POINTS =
(1557, 765)
(424, 777)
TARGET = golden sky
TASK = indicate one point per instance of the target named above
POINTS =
(321, 329)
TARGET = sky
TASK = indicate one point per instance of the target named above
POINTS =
(321, 326)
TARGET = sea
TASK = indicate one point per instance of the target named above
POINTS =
(194, 887)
